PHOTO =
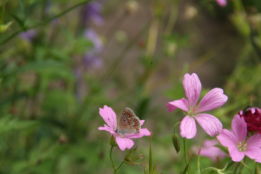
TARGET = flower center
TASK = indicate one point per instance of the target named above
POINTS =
(192, 111)
(242, 146)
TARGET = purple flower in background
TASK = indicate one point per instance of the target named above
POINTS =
(28, 35)
(92, 12)
(222, 3)
(91, 58)
(48, 10)
(97, 42)
(92, 61)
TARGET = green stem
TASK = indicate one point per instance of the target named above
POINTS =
(3, 13)
(235, 171)
(174, 129)
(112, 161)
(246, 166)
(43, 22)
(119, 165)
(185, 153)
(209, 168)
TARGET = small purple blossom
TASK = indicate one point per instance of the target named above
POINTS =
(92, 12)
(91, 58)
(28, 35)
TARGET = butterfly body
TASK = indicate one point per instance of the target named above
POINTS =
(129, 123)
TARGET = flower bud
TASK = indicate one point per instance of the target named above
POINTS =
(112, 141)
(176, 142)
(252, 117)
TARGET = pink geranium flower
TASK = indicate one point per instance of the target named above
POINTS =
(213, 99)
(123, 141)
(238, 145)
(209, 150)
(222, 3)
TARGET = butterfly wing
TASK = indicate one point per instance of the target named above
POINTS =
(129, 122)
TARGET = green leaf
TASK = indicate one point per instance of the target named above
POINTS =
(34, 66)
(8, 123)
(19, 21)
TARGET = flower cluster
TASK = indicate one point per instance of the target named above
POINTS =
(252, 116)
(237, 141)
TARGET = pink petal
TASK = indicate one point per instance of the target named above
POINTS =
(188, 127)
(142, 122)
(124, 143)
(213, 99)
(222, 3)
(235, 154)
(109, 117)
(254, 141)
(239, 128)
(253, 152)
(182, 104)
(210, 143)
(227, 138)
(143, 132)
(106, 128)
(212, 153)
(209, 123)
(192, 87)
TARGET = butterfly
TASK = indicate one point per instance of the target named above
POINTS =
(129, 123)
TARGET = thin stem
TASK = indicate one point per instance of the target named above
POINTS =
(185, 152)
(174, 129)
(119, 165)
(246, 166)
(112, 160)
(43, 22)
(235, 171)
(209, 168)
(3, 13)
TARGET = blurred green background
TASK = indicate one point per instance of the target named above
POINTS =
(60, 61)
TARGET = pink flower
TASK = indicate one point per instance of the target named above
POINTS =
(213, 99)
(236, 141)
(209, 150)
(123, 141)
(222, 3)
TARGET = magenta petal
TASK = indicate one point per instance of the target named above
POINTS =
(182, 104)
(254, 141)
(209, 150)
(253, 152)
(235, 154)
(106, 128)
(222, 3)
(188, 127)
(124, 143)
(143, 132)
(192, 87)
(213, 99)
(239, 128)
(209, 123)
(227, 138)
(142, 122)
(109, 117)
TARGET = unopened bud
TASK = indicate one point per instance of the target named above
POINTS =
(176, 142)
(112, 141)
